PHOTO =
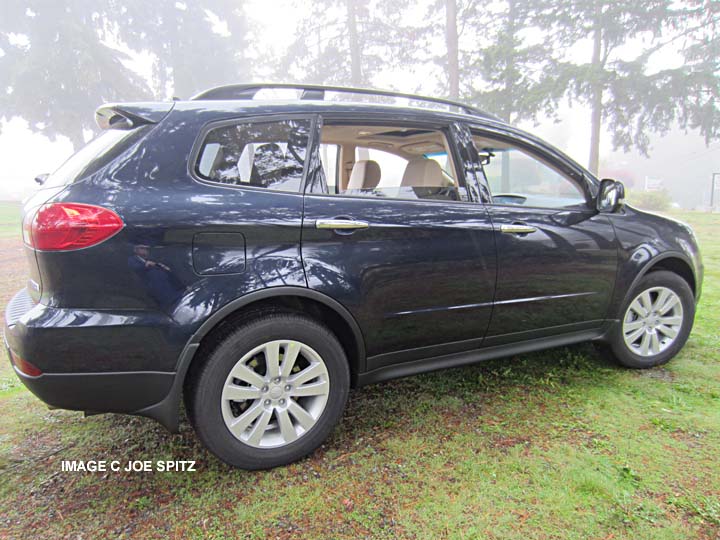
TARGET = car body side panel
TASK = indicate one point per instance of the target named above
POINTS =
(644, 239)
(557, 279)
(148, 267)
(422, 274)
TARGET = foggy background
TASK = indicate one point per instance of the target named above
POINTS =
(629, 89)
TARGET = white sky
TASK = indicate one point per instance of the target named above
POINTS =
(25, 154)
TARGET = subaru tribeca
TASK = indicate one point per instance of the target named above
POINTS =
(255, 258)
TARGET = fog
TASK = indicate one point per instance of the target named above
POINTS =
(630, 89)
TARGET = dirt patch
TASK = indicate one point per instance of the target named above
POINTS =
(660, 374)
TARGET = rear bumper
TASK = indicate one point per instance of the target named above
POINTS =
(65, 344)
(99, 392)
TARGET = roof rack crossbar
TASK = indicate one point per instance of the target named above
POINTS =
(317, 92)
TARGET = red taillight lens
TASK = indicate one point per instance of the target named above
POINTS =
(68, 226)
(24, 366)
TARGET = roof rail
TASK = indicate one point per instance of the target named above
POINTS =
(317, 92)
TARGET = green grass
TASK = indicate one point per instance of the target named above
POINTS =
(9, 219)
(558, 444)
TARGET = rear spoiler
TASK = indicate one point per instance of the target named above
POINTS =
(130, 115)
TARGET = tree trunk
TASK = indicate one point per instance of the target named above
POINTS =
(506, 110)
(451, 42)
(596, 101)
(77, 137)
(355, 57)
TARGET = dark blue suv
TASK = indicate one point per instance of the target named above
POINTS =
(256, 257)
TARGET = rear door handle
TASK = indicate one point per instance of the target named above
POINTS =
(341, 224)
(517, 228)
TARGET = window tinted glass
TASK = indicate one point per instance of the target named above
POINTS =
(412, 164)
(516, 177)
(329, 156)
(263, 154)
(94, 155)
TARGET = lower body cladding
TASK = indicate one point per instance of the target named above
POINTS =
(54, 351)
(95, 361)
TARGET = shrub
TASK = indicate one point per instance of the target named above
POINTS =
(650, 200)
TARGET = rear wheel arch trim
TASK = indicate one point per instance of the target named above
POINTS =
(276, 292)
(167, 411)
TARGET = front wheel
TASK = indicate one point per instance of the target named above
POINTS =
(270, 392)
(656, 321)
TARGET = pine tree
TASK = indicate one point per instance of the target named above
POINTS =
(60, 60)
(345, 42)
(57, 67)
(617, 82)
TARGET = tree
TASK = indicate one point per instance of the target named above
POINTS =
(57, 65)
(195, 45)
(488, 59)
(512, 75)
(451, 44)
(61, 59)
(345, 42)
(617, 82)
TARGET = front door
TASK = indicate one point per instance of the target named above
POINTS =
(390, 231)
(557, 257)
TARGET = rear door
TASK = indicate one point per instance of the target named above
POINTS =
(557, 256)
(413, 262)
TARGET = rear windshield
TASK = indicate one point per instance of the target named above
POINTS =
(94, 155)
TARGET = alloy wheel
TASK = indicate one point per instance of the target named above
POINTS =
(275, 394)
(652, 321)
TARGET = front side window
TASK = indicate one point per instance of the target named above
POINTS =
(516, 177)
(261, 154)
(388, 162)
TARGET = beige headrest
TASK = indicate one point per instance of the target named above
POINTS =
(423, 172)
(365, 175)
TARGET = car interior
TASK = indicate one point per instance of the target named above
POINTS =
(518, 178)
(387, 161)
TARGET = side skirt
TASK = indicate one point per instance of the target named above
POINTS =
(478, 355)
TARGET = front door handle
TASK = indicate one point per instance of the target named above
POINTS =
(517, 228)
(341, 224)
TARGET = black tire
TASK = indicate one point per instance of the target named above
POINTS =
(205, 390)
(617, 350)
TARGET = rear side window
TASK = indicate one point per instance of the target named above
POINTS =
(95, 155)
(260, 154)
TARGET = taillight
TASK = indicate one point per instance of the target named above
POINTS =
(68, 226)
(24, 366)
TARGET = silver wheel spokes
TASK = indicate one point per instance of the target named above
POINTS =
(275, 394)
(652, 321)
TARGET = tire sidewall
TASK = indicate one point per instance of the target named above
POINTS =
(655, 279)
(207, 412)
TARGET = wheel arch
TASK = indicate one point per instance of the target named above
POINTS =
(297, 299)
(293, 299)
(674, 262)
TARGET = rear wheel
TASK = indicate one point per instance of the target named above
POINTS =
(270, 392)
(656, 321)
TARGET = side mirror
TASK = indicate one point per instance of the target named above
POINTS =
(611, 196)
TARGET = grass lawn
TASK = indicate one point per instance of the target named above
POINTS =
(558, 444)
(9, 219)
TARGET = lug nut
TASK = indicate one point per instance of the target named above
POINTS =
(277, 379)
(288, 387)
(267, 402)
(282, 402)
(264, 388)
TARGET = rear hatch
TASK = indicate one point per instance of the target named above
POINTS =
(123, 125)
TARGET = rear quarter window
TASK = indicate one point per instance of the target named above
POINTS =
(267, 155)
(95, 155)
